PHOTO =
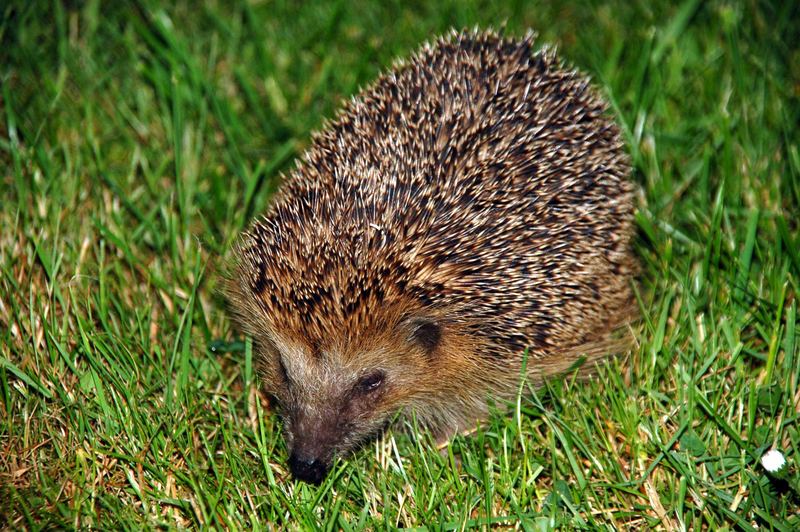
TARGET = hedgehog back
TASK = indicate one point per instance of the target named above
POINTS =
(480, 181)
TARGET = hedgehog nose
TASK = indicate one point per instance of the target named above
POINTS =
(309, 470)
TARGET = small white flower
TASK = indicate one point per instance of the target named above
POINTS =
(773, 461)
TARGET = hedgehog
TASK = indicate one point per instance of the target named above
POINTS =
(465, 222)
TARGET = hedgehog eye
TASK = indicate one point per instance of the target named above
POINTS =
(370, 382)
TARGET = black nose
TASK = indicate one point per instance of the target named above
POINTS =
(309, 470)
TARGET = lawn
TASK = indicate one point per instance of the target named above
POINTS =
(137, 140)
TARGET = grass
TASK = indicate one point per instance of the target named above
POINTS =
(136, 140)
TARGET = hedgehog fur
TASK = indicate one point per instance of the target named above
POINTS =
(468, 214)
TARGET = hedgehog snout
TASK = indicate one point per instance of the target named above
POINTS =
(313, 441)
(308, 469)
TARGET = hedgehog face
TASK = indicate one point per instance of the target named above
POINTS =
(335, 398)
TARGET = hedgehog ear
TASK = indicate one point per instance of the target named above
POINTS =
(426, 333)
